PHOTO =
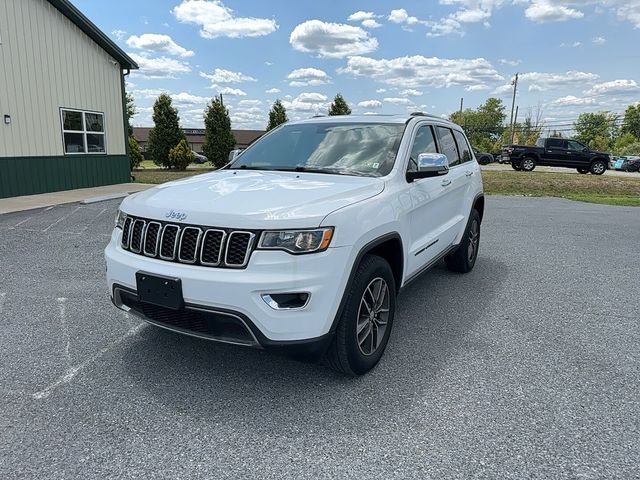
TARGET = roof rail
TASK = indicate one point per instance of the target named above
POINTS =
(422, 114)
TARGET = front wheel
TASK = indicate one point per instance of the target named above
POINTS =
(598, 167)
(464, 258)
(364, 327)
(583, 170)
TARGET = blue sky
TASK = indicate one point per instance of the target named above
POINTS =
(383, 56)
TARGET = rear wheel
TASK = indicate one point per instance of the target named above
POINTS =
(528, 164)
(583, 170)
(365, 324)
(464, 258)
(517, 166)
(598, 167)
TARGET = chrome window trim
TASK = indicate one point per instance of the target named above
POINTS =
(175, 245)
(144, 243)
(247, 252)
(195, 253)
(142, 232)
(222, 247)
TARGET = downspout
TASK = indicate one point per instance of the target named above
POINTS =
(125, 73)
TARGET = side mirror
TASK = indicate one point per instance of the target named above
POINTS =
(233, 154)
(430, 165)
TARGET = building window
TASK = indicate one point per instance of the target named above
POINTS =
(82, 132)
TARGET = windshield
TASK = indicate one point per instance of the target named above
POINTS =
(340, 148)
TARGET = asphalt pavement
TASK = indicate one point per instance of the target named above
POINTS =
(528, 367)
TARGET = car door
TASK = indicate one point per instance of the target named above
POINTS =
(555, 152)
(429, 205)
(579, 154)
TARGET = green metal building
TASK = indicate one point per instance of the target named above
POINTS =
(62, 100)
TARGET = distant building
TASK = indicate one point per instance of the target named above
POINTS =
(195, 138)
(62, 117)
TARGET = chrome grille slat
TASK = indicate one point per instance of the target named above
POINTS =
(189, 244)
(188, 249)
(212, 241)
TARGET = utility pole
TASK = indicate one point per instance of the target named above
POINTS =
(461, 104)
(515, 121)
(513, 104)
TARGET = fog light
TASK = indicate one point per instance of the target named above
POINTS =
(286, 301)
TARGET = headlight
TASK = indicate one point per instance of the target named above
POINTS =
(120, 218)
(297, 241)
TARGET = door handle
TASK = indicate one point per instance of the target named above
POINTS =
(468, 173)
(446, 182)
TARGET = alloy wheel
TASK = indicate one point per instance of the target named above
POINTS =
(373, 316)
(474, 240)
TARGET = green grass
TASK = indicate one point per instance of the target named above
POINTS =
(149, 172)
(603, 189)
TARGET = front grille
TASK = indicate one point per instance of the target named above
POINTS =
(192, 244)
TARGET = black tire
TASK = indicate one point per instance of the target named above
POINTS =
(345, 353)
(464, 258)
(598, 167)
(484, 160)
(528, 164)
(517, 166)
(583, 170)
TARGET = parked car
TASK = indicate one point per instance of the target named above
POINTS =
(483, 158)
(198, 158)
(556, 152)
(304, 241)
(630, 164)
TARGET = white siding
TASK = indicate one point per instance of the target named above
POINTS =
(47, 63)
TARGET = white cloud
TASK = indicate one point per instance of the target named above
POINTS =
(381, 90)
(511, 63)
(370, 104)
(307, 102)
(544, 81)
(158, 67)
(599, 40)
(571, 45)
(503, 90)
(331, 40)
(249, 103)
(572, 101)
(158, 43)
(361, 16)
(402, 16)
(148, 92)
(234, 92)
(477, 88)
(415, 71)
(185, 98)
(397, 100)
(615, 87)
(303, 77)
(222, 76)
(273, 90)
(119, 34)
(472, 15)
(411, 92)
(551, 11)
(445, 26)
(371, 23)
(217, 20)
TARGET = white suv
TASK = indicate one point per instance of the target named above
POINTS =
(304, 240)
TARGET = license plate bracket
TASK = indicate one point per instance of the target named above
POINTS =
(160, 290)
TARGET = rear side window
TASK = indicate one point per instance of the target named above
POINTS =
(556, 143)
(463, 146)
(448, 145)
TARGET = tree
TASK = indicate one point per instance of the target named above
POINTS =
(135, 155)
(632, 149)
(484, 126)
(181, 155)
(631, 123)
(166, 132)
(130, 112)
(339, 106)
(277, 115)
(623, 142)
(597, 130)
(218, 139)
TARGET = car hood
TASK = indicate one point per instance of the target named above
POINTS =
(252, 199)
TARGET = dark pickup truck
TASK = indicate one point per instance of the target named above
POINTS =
(555, 152)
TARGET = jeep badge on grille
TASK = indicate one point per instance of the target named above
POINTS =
(176, 215)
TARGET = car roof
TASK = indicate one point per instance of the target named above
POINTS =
(376, 118)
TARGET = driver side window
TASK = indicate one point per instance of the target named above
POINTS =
(424, 142)
(576, 146)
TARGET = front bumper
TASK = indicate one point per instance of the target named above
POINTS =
(239, 292)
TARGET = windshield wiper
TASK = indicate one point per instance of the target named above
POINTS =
(329, 170)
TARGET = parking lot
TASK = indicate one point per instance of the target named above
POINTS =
(526, 368)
